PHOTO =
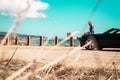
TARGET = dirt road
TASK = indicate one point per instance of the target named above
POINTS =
(50, 53)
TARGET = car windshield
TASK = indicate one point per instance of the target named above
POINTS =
(112, 31)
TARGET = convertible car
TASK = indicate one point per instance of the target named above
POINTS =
(108, 39)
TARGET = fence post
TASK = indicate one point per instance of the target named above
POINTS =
(28, 40)
(16, 40)
(7, 41)
(71, 41)
(41, 40)
(56, 40)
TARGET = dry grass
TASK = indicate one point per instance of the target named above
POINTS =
(14, 65)
(59, 71)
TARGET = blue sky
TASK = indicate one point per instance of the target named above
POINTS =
(68, 16)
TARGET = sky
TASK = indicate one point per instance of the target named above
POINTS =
(57, 17)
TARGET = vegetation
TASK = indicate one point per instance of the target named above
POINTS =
(59, 71)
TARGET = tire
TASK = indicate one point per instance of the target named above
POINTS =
(91, 46)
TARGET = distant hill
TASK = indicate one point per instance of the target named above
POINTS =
(2, 33)
(21, 35)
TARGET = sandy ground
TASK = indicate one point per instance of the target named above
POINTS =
(51, 53)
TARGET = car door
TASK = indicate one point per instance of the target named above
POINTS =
(110, 40)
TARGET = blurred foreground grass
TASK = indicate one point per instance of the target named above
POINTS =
(60, 71)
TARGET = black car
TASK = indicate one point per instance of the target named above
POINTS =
(108, 39)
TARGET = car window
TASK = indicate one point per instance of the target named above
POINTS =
(118, 32)
(113, 31)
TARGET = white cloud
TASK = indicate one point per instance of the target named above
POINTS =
(13, 7)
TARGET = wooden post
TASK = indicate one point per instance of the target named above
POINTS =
(56, 40)
(71, 41)
(68, 34)
(7, 41)
(28, 40)
(41, 40)
(16, 40)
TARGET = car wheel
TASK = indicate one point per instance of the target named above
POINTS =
(91, 46)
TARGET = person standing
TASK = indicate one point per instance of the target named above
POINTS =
(91, 29)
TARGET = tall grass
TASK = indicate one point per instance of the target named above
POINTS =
(60, 71)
